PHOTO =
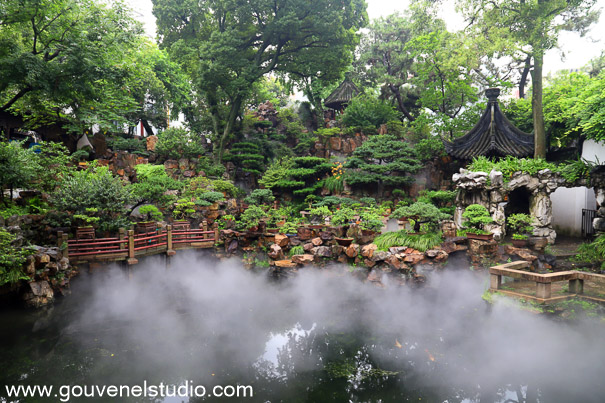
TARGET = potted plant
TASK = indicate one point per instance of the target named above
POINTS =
(370, 222)
(343, 216)
(85, 223)
(344, 241)
(421, 213)
(183, 209)
(289, 228)
(318, 216)
(477, 217)
(226, 222)
(251, 218)
(520, 225)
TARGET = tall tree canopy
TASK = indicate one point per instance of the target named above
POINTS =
(530, 28)
(83, 62)
(421, 67)
(228, 45)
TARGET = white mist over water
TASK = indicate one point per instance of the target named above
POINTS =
(214, 322)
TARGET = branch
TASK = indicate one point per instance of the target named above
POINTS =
(14, 99)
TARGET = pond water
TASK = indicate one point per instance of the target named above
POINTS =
(318, 336)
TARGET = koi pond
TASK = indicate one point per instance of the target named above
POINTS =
(317, 335)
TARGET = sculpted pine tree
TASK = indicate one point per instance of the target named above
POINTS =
(228, 45)
(382, 160)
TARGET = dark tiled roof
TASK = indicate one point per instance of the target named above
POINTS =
(493, 135)
(342, 95)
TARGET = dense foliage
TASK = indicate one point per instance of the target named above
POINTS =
(571, 171)
(365, 111)
(382, 160)
(11, 259)
(226, 47)
(97, 189)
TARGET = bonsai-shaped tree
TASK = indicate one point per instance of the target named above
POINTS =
(206, 199)
(520, 224)
(382, 160)
(371, 220)
(421, 213)
(476, 217)
(151, 211)
(260, 197)
(319, 214)
(183, 209)
(343, 216)
(251, 217)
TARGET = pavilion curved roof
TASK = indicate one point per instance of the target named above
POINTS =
(342, 95)
(493, 135)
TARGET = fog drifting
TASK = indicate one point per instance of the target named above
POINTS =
(215, 322)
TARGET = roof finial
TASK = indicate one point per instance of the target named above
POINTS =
(492, 94)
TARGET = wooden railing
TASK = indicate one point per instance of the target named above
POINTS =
(128, 245)
(543, 282)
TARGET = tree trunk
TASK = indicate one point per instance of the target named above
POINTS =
(402, 107)
(147, 127)
(536, 106)
(233, 112)
(523, 80)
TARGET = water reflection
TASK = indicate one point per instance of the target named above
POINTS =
(318, 336)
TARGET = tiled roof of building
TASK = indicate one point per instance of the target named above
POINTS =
(342, 95)
(493, 135)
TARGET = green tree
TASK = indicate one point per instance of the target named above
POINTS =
(384, 60)
(444, 65)
(18, 167)
(11, 259)
(158, 85)
(67, 59)
(382, 160)
(529, 28)
(228, 45)
(95, 189)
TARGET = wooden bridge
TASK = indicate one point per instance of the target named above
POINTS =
(129, 246)
(545, 288)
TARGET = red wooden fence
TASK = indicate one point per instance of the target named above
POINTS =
(129, 245)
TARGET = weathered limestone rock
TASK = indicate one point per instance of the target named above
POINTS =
(285, 263)
(171, 164)
(477, 247)
(413, 258)
(375, 276)
(151, 142)
(39, 294)
(432, 253)
(369, 263)
(42, 258)
(304, 234)
(495, 178)
(541, 209)
(335, 143)
(30, 266)
(394, 262)
(368, 250)
(303, 259)
(326, 236)
(323, 251)
(316, 241)
(352, 250)
(275, 252)
(338, 250)
(308, 247)
(282, 240)
(397, 249)
(379, 256)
